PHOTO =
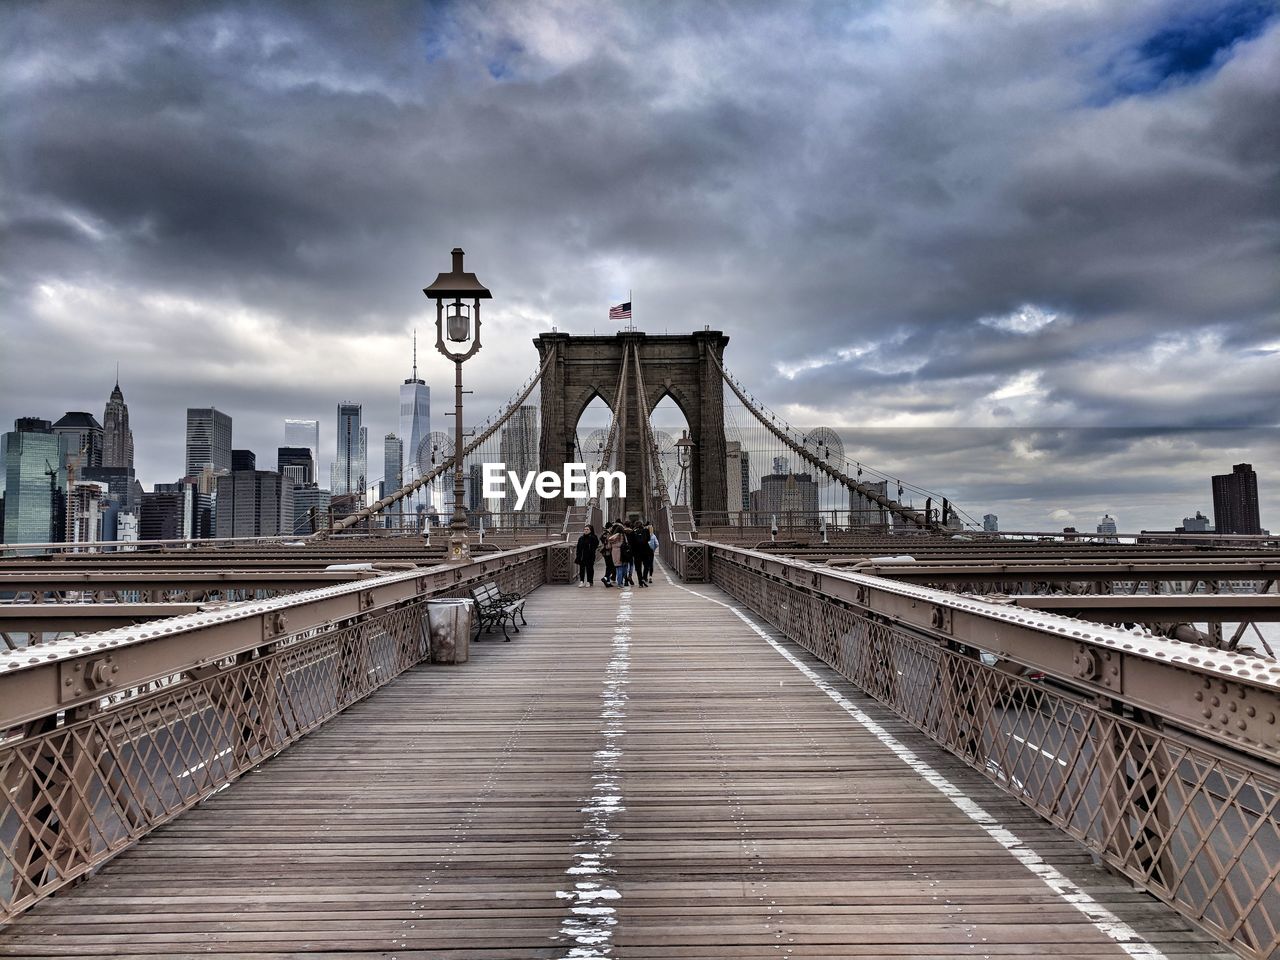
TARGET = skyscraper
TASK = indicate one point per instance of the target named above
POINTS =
(1107, 527)
(350, 470)
(35, 482)
(254, 503)
(208, 440)
(1235, 501)
(737, 476)
(392, 465)
(518, 447)
(789, 493)
(303, 433)
(310, 508)
(990, 523)
(84, 438)
(415, 419)
(243, 460)
(117, 438)
(297, 464)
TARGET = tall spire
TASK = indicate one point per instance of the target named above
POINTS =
(415, 353)
(117, 374)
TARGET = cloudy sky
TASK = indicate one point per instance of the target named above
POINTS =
(1026, 252)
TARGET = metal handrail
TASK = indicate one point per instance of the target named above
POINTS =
(95, 733)
(1161, 757)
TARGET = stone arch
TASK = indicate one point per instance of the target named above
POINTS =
(682, 366)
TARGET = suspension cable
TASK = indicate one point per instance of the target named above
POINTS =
(917, 517)
(420, 482)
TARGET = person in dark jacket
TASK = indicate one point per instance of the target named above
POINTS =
(585, 557)
(652, 539)
(610, 571)
(639, 541)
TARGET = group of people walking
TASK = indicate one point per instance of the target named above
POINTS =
(627, 548)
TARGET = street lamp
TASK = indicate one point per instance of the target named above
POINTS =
(684, 457)
(459, 293)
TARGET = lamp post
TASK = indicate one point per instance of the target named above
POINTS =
(460, 292)
(684, 457)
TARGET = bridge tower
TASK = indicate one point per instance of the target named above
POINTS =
(680, 365)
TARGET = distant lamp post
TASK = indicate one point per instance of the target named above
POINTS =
(684, 457)
(457, 295)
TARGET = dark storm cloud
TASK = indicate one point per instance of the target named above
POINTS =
(949, 214)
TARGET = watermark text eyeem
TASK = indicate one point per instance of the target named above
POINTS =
(574, 481)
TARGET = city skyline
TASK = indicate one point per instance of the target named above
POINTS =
(1035, 242)
(1164, 512)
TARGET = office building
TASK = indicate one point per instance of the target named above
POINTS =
(197, 515)
(990, 523)
(865, 512)
(392, 477)
(782, 494)
(243, 460)
(86, 502)
(1235, 501)
(1107, 528)
(781, 465)
(127, 529)
(254, 503)
(35, 482)
(1197, 524)
(310, 509)
(303, 433)
(518, 449)
(117, 437)
(415, 420)
(84, 438)
(122, 485)
(208, 441)
(297, 464)
(350, 470)
(162, 516)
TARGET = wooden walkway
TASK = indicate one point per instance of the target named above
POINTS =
(636, 775)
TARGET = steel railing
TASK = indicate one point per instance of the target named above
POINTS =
(1159, 757)
(106, 737)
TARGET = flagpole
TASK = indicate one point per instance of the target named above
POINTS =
(633, 310)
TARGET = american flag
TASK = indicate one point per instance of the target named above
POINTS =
(621, 312)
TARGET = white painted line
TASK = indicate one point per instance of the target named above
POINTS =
(1035, 746)
(200, 766)
(1103, 919)
(591, 920)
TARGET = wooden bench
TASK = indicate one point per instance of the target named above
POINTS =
(493, 608)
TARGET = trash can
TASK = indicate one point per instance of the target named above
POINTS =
(450, 624)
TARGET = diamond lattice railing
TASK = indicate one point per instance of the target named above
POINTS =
(79, 787)
(1195, 826)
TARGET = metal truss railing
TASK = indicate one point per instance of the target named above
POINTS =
(105, 738)
(1159, 757)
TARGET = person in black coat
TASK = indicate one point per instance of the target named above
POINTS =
(640, 552)
(585, 557)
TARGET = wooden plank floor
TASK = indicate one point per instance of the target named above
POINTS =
(636, 775)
